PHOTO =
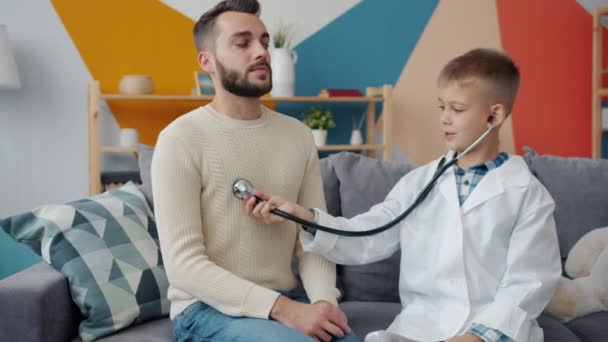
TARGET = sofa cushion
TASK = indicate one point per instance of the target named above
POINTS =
(591, 328)
(36, 306)
(554, 330)
(365, 317)
(578, 187)
(359, 183)
(107, 247)
(159, 330)
(144, 161)
(331, 186)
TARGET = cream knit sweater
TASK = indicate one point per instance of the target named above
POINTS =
(212, 250)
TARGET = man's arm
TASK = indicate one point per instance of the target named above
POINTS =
(533, 269)
(176, 180)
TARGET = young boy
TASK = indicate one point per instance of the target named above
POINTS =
(480, 257)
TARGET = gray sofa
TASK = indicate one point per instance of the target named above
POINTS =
(36, 306)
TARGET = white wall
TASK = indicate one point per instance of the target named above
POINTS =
(43, 126)
(43, 137)
(304, 17)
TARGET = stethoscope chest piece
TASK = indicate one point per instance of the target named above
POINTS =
(242, 187)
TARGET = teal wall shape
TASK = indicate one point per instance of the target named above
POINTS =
(368, 45)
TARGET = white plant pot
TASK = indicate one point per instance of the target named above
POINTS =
(128, 137)
(356, 138)
(282, 62)
(319, 136)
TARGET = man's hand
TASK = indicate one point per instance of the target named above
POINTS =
(261, 211)
(465, 338)
(320, 320)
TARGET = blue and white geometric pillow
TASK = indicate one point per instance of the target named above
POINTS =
(107, 246)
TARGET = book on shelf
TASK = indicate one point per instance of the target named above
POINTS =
(339, 92)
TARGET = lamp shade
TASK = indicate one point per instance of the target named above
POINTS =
(9, 77)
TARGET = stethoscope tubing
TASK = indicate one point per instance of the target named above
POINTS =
(423, 194)
(441, 168)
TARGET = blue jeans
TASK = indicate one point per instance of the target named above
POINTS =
(200, 322)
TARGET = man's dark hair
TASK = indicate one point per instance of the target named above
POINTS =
(493, 66)
(204, 29)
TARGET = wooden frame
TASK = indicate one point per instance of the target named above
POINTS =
(597, 91)
(204, 85)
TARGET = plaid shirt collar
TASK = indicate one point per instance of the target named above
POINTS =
(467, 180)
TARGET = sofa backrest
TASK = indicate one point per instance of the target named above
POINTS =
(352, 184)
(579, 187)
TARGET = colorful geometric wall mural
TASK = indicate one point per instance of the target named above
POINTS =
(404, 43)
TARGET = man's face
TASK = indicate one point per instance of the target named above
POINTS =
(241, 60)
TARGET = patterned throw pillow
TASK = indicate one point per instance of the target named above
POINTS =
(107, 247)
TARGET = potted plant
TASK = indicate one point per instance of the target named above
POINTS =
(281, 36)
(282, 62)
(319, 120)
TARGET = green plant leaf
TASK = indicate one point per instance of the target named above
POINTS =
(319, 118)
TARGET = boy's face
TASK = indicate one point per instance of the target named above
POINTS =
(464, 111)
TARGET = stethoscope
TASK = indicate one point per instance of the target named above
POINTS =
(243, 187)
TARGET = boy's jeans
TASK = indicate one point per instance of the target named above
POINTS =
(200, 322)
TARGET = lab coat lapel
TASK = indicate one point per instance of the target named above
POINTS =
(447, 186)
(489, 187)
(446, 183)
(513, 173)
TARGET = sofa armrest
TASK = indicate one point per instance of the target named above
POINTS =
(36, 306)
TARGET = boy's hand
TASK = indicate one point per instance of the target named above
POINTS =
(261, 211)
(465, 338)
(320, 320)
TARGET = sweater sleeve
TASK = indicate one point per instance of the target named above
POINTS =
(177, 183)
(318, 274)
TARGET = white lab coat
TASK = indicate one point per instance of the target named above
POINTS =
(494, 261)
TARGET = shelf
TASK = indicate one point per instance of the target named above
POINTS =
(602, 10)
(364, 99)
(349, 147)
(599, 93)
(118, 149)
(151, 113)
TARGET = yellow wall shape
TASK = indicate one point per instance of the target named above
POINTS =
(116, 37)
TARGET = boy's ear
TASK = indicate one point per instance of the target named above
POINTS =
(498, 114)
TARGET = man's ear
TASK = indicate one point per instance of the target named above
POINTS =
(498, 114)
(205, 61)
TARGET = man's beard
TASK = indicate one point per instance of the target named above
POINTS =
(240, 85)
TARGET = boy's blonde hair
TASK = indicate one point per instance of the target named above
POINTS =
(497, 69)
